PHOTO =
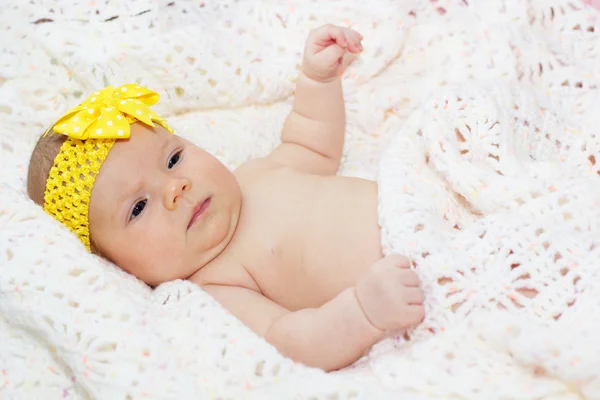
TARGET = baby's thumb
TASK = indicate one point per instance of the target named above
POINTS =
(332, 55)
(348, 59)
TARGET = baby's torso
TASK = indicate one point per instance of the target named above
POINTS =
(301, 238)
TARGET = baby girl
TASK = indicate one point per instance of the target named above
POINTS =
(288, 247)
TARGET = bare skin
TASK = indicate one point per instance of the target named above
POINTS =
(283, 243)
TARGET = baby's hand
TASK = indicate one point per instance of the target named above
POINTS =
(325, 49)
(389, 294)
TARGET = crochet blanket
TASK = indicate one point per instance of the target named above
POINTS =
(475, 116)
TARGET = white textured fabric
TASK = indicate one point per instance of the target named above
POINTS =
(489, 182)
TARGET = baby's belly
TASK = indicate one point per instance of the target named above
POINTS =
(333, 239)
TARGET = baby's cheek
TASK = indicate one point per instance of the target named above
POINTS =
(164, 257)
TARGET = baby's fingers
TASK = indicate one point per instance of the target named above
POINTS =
(414, 296)
(328, 34)
(415, 314)
(396, 260)
(331, 57)
(409, 278)
(355, 33)
(354, 41)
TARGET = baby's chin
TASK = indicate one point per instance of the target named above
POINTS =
(211, 239)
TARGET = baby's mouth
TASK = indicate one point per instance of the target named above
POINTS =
(198, 211)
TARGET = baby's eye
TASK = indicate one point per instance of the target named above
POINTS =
(174, 159)
(138, 208)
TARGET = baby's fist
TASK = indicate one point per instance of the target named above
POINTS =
(325, 49)
(389, 294)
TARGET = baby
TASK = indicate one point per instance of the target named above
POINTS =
(288, 247)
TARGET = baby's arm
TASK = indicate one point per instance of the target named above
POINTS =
(313, 133)
(337, 333)
(329, 337)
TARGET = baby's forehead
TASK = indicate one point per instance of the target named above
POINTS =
(156, 132)
(142, 140)
(131, 158)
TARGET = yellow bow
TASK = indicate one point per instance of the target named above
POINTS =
(108, 113)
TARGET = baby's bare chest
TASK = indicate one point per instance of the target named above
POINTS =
(304, 238)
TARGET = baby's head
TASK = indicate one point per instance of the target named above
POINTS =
(151, 202)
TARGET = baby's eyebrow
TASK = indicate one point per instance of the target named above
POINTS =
(164, 146)
(128, 193)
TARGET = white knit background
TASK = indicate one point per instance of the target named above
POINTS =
(489, 111)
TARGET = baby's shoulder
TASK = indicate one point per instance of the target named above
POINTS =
(259, 168)
(257, 165)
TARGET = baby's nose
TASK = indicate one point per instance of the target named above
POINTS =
(175, 190)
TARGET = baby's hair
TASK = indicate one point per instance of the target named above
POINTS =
(42, 160)
(40, 164)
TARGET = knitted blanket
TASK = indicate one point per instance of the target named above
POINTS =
(475, 116)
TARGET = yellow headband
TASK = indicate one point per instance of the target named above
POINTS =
(91, 129)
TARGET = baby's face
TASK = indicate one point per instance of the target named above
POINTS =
(161, 207)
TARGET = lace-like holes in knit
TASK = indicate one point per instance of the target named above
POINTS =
(451, 292)
(258, 371)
